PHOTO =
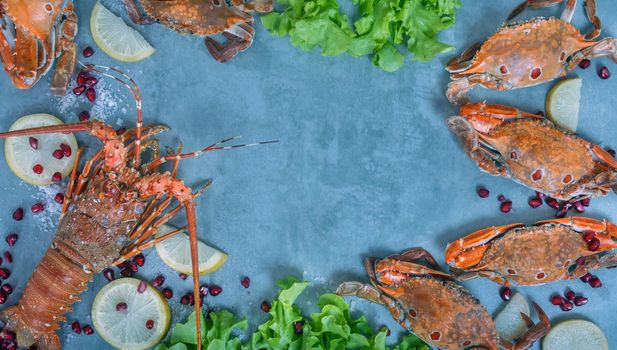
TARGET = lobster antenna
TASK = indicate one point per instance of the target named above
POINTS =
(130, 84)
(213, 147)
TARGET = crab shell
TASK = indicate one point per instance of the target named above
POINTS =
(195, 17)
(527, 53)
(36, 17)
(440, 311)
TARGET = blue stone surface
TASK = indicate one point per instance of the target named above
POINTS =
(365, 165)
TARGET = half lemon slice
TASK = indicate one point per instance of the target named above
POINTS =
(563, 103)
(32, 160)
(116, 38)
(142, 321)
(176, 252)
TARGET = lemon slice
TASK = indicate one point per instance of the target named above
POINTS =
(509, 323)
(22, 157)
(116, 38)
(176, 252)
(575, 335)
(126, 329)
(563, 102)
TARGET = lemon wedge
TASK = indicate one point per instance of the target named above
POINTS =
(563, 102)
(141, 324)
(176, 252)
(22, 154)
(116, 38)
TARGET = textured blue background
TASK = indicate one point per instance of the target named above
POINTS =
(365, 165)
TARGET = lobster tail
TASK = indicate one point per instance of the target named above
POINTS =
(49, 294)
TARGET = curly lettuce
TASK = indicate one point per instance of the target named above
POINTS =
(384, 28)
(333, 328)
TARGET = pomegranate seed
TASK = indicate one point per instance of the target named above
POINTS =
(594, 245)
(7, 289)
(58, 154)
(11, 239)
(34, 142)
(91, 94)
(3, 297)
(588, 236)
(535, 202)
(203, 290)
(483, 192)
(142, 287)
(566, 306)
(505, 293)
(158, 281)
(595, 282)
(584, 64)
(586, 277)
(123, 265)
(246, 282)
(4, 273)
(37, 207)
(76, 327)
(87, 52)
(120, 131)
(90, 82)
(540, 113)
(81, 78)
(501, 198)
(540, 195)
(570, 295)
(580, 301)
(66, 149)
(126, 272)
(579, 207)
(557, 300)
(109, 274)
(18, 214)
(150, 324)
(121, 306)
(37, 168)
(611, 152)
(185, 300)
(604, 73)
(59, 198)
(298, 326)
(139, 259)
(506, 206)
(167, 293)
(561, 213)
(84, 116)
(183, 276)
(9, 335)
(78, 90)
(580, 261)
(8, 256)
(552, 202)
(215, 290)
(88, 330)
(265, 307)
(56, 177)
(585, 201)
(133, 266)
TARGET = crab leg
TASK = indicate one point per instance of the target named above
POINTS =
(536, 4)
(469, 250)
(457, 89)
(239, 38)
(590, 8)
(605, 231)
(533, 334)
(604, 47)
(459, 64)
(68, 49)
(136, 16)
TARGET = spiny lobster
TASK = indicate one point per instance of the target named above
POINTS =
(110, 213)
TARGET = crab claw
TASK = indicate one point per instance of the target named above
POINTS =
(468, 251)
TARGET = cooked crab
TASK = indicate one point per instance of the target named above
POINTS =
(531, 150)
(528, 53)
(427, 302)
(551, 250)
(204, 18)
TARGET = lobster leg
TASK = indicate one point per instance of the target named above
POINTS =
(69, 194)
